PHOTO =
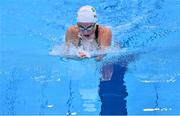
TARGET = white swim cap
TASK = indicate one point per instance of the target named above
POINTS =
(87, 14)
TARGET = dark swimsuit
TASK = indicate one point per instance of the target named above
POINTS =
(96, 36)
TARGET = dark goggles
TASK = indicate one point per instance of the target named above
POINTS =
(89, 28)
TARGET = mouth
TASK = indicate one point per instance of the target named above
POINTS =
(86, 36)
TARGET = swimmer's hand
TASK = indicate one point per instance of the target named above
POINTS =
(83, 54)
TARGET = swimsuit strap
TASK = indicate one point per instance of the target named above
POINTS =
(97, 34)
(79, 43)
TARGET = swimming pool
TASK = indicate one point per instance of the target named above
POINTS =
(32, 81)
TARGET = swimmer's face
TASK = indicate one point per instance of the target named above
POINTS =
(86, 29)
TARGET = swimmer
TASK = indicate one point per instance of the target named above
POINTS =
(87, 35)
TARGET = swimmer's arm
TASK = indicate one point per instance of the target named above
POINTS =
(105, 40)
(68, 42)
(68, 38)
(105, 43)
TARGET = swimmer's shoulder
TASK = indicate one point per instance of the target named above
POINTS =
(104, 29)
(72, 33)
(105, 35)
(72, 29)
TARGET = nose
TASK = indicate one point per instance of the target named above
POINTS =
(85, 32)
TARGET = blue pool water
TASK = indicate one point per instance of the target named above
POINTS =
(145, 78)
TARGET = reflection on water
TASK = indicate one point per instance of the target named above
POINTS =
(112, 89)
(113, 92)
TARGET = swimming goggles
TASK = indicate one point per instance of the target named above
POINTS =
(89, 28)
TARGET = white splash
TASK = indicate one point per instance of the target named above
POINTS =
(73, 52)
(50, 106)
